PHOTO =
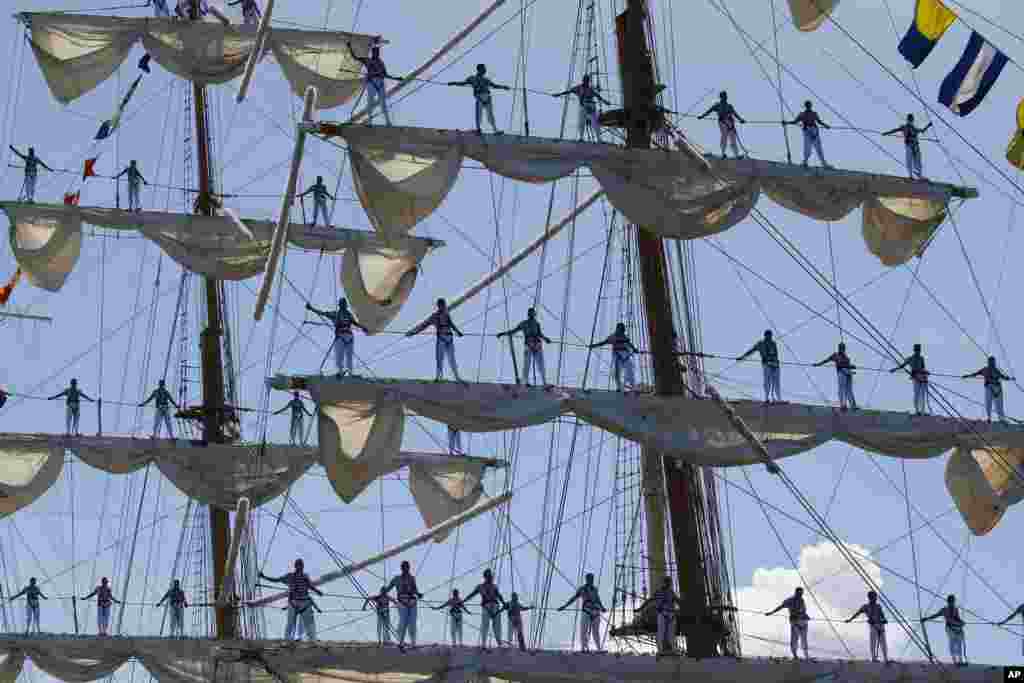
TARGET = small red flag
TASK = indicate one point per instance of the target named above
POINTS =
(71, 198)
(90, 168)
(5, 291)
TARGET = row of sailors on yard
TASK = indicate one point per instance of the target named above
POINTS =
(667, 606)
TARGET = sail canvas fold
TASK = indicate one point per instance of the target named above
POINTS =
(808, 15)
(29, 466)
(983, 483)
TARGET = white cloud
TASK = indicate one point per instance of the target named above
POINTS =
(839, 592)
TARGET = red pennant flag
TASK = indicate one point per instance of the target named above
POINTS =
(5, 291)
(71, 198)
(90, 168)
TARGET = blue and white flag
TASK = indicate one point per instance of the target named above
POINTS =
(966, 85)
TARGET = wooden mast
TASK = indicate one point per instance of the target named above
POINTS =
(662, 475)
(212, 363)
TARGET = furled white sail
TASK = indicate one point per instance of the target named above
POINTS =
(403, 174)
(29, 466)
(78, 52)
(379, 271)
(983, 483)
(810, 14)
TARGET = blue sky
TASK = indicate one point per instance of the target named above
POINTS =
(933, 301)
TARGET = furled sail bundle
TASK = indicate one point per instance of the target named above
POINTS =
(808, 15)
(379, 272)
(983, 483)
(403, 174)
(78, 52)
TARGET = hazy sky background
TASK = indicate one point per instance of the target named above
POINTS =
(113, 317)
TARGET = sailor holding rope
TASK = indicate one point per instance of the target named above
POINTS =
(954, 629)
(993, 377)
(32, 594)
(482, 95)
(622, 356)
(515, 611)
(912, 143)
(798, 620)
(665, 602)
(134, 186)
(588, 96)
(809, 122)
(32, 164)
(74, 397)
(408, 593)
(876, 626)
(104, 599)
(164, 401)
(300, 604)
(533, 351)
(320, 197)
(344, 340)
(844, 375)
(445, 349)
(770, 366)
(456, 608)
(919, 376)
(727, 117)
(590, 617)
(176, 603)
(298, 408)
(382, 606)
(376, 72)
(491, 605)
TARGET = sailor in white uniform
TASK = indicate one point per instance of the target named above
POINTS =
(382, 606)
(135, 183)
(876, 626)
(1020, 611)
(911, 141)
(798, 620)
(665, 602)
(344, 340)
(376, 72)
(164, 401)
(298, 408)
(919, 376)
(533, 351)
(300, 604)
(727, 118)
(770, 366)
(320, 197)
(954, 630)
(590, 617)
(176, 604)
(455, 441)
(588, 96)
(32, 164)
(74, 397)
(456, 607)
(408, 594)
(993, 377)
(445, 350)
(491, 605)
(622, 356)
(104, 599)
(809, 122)
(844, 376)
(250, 11)
(32, 594)
(482, 95)
(515, 611)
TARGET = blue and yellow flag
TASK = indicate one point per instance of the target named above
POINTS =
(931, 20)
(1015, 151)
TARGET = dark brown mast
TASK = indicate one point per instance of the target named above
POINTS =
(212, 363)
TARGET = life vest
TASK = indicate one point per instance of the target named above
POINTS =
(769, 353)
(406, 585)
(342, 323)
(621, 343)
(532, 334)
(591, 600)
(443, 323)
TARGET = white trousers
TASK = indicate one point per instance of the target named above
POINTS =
(728, 131)
(515, 630)
(920, 396)
(32, 617)
(300, 609)
(590, 627)
(772, 382)
(845, 380)
(163, 415)
(533, 359)
(103, 619)
(484, 105)
(30, 187)
(133, 196)
(344, 352)
(666, 630)
(914, 169)
(454, 441)
(490, 618)
(956, 644)
(71, 417)
(456, 629)
(177, 614)
(297, 432)
(589, 117)
(622, 364)
(812, 141)
(445, 350)
(876, 638)
(407, 623)
(376, 96)
(319, 208)
(798, 636)
(384, 627)
(994, 395)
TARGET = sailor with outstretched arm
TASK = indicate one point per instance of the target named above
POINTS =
(456, 607)
(408, 594)
(382, 606)
(590, 616)
(911, 141)
(320, 197)
(588, 96)
(622, 356)
(482, 85)
(135, 183)
(299, 411)
(876, 626)
(344, 339)
(727, 118)
(74, 397)
(491, 605)
(32, 164)
(32, 595)
(665, 602)
(533, 351)
(798, 620)
(164, 401)
(770, 366)
(914, 363)
(104, 599)
(515, 611)
(300, 604)
(176, 602)
(954, 629)
(442, 322)
(376, 73)
(844, 376)
(809, 123)
(993, 377)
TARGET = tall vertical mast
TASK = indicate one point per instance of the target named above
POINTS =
(660, 474)
(212, 364)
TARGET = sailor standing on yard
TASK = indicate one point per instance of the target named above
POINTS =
(912, 143)
(74, 397)
(727, 117)
(533, 351)
(844, 375)
(175, 599)
(876, 626)
(622, 356)
(445, 349)
(769, 365)
(954, 629)
(32, 164)
(320, 197)
(809, 122)
(104, 599)
(665, 601)
(798, 620)
(376, 72)
(993, 387)
(456, 608)
(515, 611)
(919, 376)
(250, 11)
(382, 606)
(134, 187)
(32, 595)
(588, 97)
(164, 401)
(344, 340)
(455, 441)
(298, 408)
(482, 94)
(300, 604)
(491, 605)
(590, 615)
(408, 594)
